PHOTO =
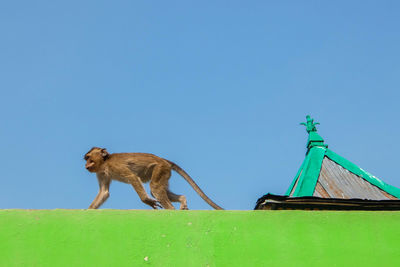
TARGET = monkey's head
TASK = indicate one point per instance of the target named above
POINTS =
(95, 158)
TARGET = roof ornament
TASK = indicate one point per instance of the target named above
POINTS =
(314, 139)
(310, 125)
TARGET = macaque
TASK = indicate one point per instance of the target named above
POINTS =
(136, 169)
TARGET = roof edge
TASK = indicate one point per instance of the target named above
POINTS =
(276, 202)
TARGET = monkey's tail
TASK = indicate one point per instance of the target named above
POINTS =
(186, 176)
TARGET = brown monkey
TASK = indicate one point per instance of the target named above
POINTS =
(136, 169)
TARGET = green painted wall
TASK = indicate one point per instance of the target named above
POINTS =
(198, 238)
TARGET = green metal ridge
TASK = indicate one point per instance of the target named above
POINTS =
(309, 176)
(351, 167)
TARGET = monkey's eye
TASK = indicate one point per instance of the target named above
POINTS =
(86, 158)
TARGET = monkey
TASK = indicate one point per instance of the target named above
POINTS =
(136, 169)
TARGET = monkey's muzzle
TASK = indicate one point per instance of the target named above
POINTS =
(89, 166)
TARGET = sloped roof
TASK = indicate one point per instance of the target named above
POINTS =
(325, 174)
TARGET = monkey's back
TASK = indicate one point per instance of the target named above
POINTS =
(141, 164)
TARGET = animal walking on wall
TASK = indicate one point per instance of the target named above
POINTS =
(136, 169)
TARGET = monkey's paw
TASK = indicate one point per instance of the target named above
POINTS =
(153, 203)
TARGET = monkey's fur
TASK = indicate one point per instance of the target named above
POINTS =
(136, 169)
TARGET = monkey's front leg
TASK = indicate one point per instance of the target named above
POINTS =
(103, 194)
(94, 201)
(99, 199)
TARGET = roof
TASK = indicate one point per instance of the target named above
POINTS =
(326, 174)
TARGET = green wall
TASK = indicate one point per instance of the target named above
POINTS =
(198, 238)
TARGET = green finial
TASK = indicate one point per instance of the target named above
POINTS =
(310, 124)
(314, 139)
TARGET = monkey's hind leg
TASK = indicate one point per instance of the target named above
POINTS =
(159, 187)
(160, 194)
(178, 198)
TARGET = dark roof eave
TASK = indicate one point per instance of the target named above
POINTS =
(275, 202)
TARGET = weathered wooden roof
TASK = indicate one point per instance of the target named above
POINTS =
(334, 181)
(325, 174)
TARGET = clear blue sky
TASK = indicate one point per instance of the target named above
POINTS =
(219, 88)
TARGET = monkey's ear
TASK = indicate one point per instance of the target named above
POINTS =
(104, 153)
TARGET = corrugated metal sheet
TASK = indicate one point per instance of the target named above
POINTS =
(336, 182)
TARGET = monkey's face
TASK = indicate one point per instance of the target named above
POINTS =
(95, 159)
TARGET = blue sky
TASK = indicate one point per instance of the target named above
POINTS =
(218, 87)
